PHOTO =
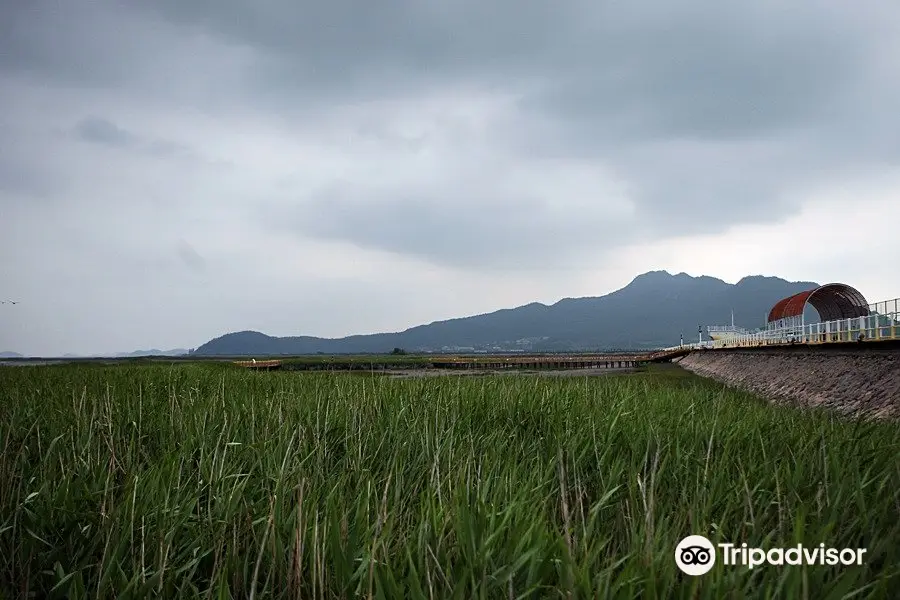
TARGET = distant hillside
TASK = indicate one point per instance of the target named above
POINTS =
(10, 355)
(135, 354)
(152, 352)
(650, 312)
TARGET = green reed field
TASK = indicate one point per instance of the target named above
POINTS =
(205, 480)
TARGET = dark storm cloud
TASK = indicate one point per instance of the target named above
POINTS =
(639, 69)
(633, 71)
(67, 41)
(711, 112)
(531, 135)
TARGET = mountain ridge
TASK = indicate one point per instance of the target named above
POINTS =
(153, 352)
(655, 309)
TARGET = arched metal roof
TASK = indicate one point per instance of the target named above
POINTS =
(832, 301)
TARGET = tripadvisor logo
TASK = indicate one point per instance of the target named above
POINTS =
(696, 555)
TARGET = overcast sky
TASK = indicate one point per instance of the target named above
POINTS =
(173, 170)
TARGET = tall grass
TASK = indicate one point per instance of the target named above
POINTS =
(205, 481)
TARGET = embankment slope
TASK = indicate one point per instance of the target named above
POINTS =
(851, 381)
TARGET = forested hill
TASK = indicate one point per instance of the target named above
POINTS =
(652, 311)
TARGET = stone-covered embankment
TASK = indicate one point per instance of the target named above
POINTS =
(853, 381)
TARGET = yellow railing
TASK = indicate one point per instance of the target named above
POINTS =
(877, 326)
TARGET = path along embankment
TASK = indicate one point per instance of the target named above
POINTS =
(852, 380)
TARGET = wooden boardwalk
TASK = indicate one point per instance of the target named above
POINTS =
(485, 362)
(260, 365)
(599, 361)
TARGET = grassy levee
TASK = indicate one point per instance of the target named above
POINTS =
(211, 481)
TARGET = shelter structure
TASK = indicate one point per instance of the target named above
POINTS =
(833, 301)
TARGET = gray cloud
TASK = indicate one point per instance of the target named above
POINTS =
(459, 228)
(81, 44)
(190, 257)
(100, 131)
(707, 109)
(21, 177)
(103, 132)
(483, 136)
(703, 68)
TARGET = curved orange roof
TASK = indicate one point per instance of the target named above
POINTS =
(832, 301)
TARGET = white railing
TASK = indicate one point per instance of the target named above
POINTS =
(726, 329)
(694, 346)
(883, 323)
(889, 307)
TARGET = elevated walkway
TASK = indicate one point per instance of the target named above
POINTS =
(670, 353)
(868, 330)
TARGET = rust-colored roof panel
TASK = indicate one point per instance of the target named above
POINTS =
(790, 306)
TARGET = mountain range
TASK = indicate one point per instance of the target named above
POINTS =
(655, 310)
(135, 354)
(152, 352)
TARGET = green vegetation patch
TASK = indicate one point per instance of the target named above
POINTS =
(197, 480)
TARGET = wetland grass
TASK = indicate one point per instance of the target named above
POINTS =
(204, 480)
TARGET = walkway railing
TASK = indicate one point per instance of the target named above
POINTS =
(883, 323)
